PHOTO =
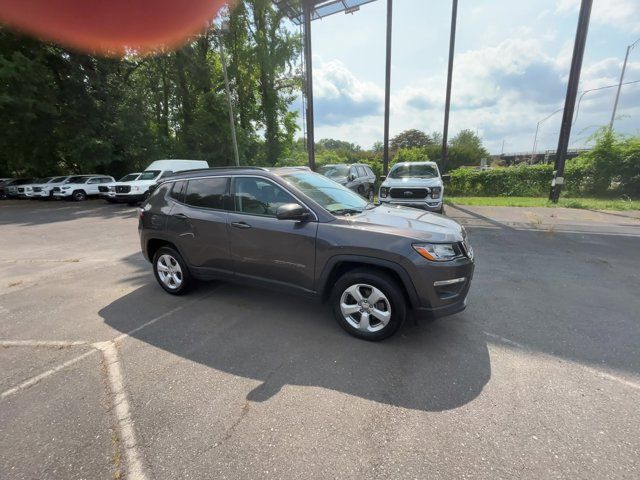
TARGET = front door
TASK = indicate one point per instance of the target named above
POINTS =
(263, 247)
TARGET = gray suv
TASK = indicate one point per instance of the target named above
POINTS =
(297, 231)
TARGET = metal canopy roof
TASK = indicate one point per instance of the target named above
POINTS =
(319, 8)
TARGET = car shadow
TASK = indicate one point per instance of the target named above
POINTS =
(281, 340)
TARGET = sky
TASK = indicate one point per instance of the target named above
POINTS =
(511, 68)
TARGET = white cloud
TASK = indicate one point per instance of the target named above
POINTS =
(621, 14)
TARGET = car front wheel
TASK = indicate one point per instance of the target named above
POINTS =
(171, 271)
(79, 196)
(368, 304)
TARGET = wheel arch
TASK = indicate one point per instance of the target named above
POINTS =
(341, 264)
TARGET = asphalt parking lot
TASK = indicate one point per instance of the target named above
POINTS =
(103, 375)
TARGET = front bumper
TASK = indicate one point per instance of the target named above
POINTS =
(431, 204)
(63, 193)
(138, 197)
(437, 295)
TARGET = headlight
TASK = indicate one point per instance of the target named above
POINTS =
(135, 189)
(435, 192)
(384, 192)
(438, 252)
(65, 188)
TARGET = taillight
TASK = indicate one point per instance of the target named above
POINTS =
(140, 214)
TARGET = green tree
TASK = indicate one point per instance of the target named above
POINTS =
(465, 149)
(412, 138)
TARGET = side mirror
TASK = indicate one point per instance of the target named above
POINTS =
(446, 177)
(383, 178)
(293, 211)
(351, 177)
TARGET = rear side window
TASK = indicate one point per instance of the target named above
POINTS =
(362, 172)
(206, 192)
(177, 192)
(369, 171)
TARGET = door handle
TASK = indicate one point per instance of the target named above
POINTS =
(240, 225)
(181, 216)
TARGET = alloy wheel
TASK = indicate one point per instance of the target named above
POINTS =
(169, 271)
(365, 307)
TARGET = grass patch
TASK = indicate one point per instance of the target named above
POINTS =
(584, 203)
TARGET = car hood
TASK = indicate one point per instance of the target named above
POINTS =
(408, 222)
(412, 182)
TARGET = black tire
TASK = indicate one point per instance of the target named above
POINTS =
(187, 280)
(394, 302)
(79, 196)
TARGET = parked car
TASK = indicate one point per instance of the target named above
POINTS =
(10, 189)
(45, 190)
(3, 182)
(137, 190)
(357, 177)
(81, 187)
(29, 190)
(108, 191)
(298, 231)
(414, 184)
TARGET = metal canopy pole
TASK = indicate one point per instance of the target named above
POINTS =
(447, 103)
(387, 90)
(570, 101)
(306, 12)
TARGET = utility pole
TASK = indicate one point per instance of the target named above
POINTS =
(570, 101)
(447, 103)
(387, 90)
(308, 73)
(224, 27)
(624, 67)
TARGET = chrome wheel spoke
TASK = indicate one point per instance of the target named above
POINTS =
(364, 322)
(375, 296)
(354, 291)
(381, 315)
(162, 268)
(348, 309)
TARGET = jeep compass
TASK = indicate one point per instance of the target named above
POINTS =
(297, 231)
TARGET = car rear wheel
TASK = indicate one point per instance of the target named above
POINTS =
(79, 196)
(171, 271)
(368, 304)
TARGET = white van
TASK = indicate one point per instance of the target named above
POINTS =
(137, 190)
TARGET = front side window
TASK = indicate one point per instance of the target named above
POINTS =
(331, 196)
(362, 172)
(77, 180)
(206, 192)
(58, 180)
(129, 178)
(408, 170)
(151, 174)
(258, 196)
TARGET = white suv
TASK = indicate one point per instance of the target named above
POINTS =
(42, 187)
(413, 184)
(108, 190)
(81, 187)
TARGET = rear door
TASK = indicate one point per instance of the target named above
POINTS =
(263, 247)
(198, 223)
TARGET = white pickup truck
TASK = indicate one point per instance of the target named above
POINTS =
(80, 187)
(137, 190)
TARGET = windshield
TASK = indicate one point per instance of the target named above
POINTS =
(334, 171)
(332, 196)
(414, 171)
(129, 178)
(42, 180)
(77, 180)
(149, 175)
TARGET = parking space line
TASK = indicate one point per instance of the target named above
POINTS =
(594, 371)
(135, 465)
(41, 343)
(33, 380)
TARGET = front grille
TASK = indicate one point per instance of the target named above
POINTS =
(37, 189)
(408, 193)
(103, 189)
(123, 188)
(56, 189)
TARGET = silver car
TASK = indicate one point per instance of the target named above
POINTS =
(413, 184)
